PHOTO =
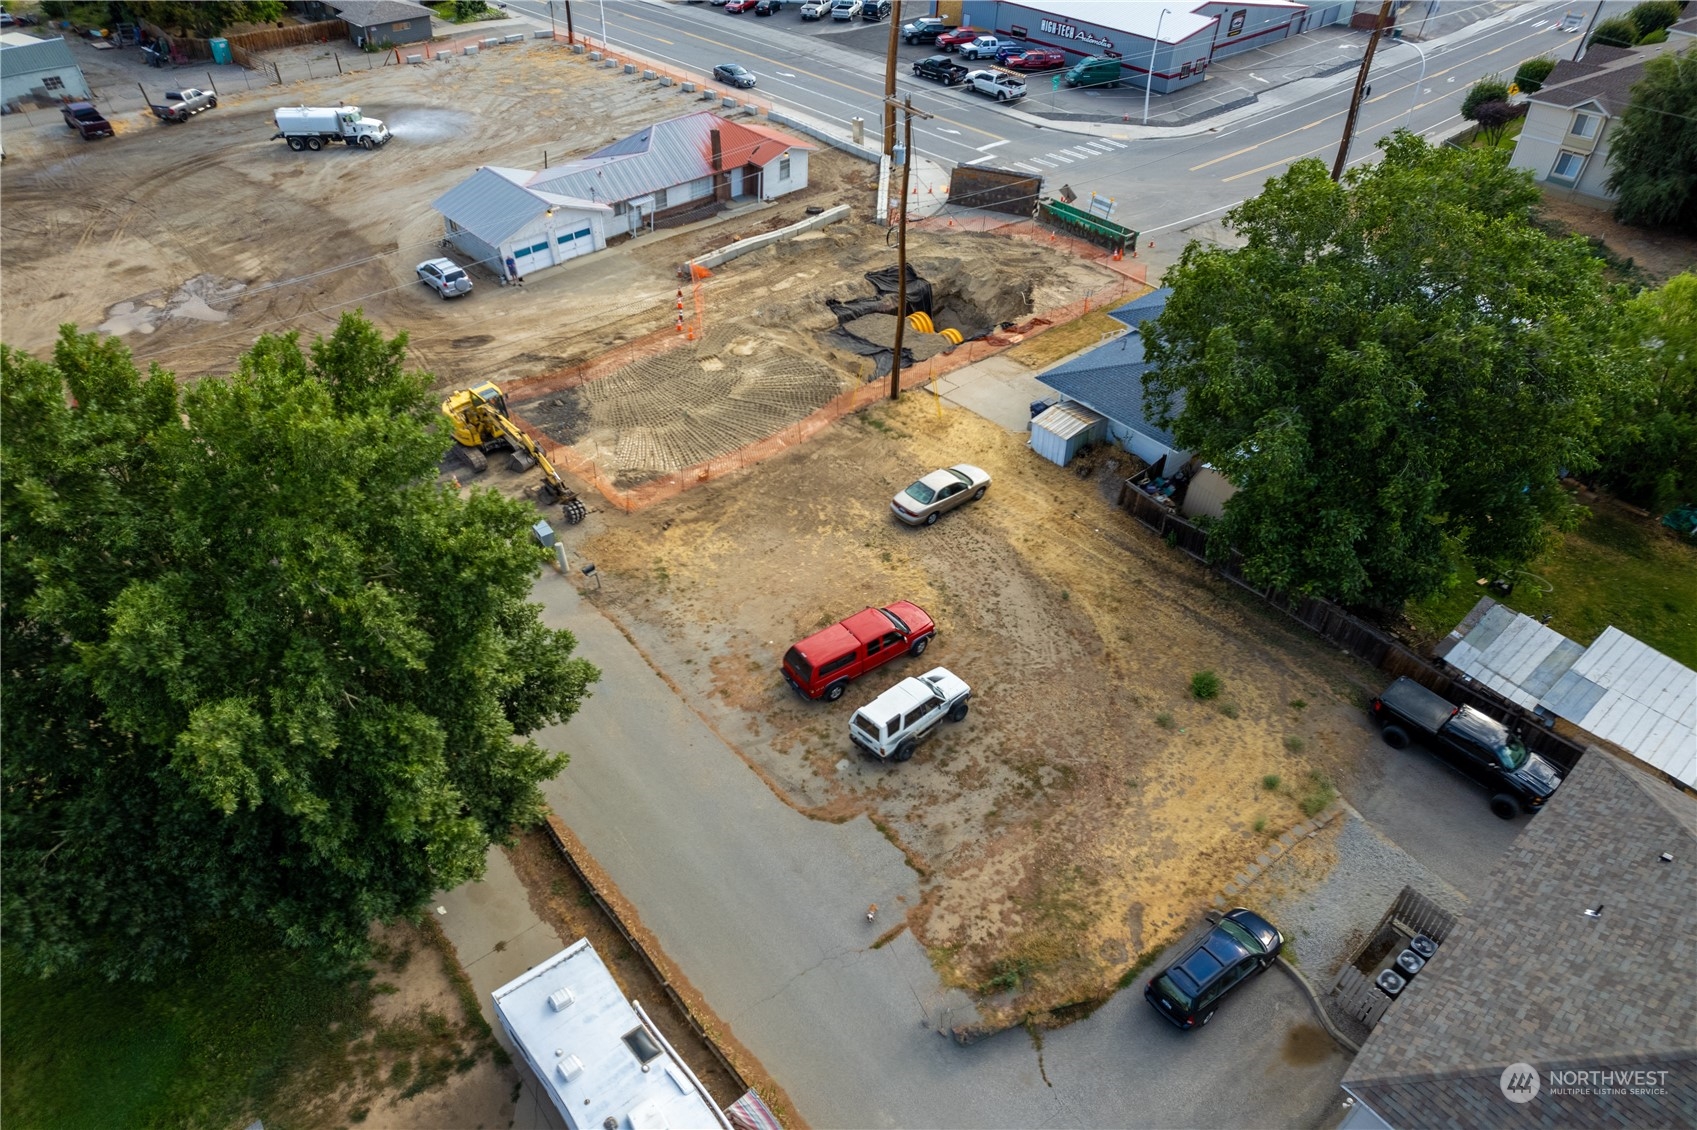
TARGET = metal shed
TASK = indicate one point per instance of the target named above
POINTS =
(1059, 433)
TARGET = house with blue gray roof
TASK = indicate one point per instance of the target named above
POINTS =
(1108, 381)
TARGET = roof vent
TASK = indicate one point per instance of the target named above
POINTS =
(1423, 946)
(561, 999)
(570, 1068)
(1597, 913)
(1667, 857)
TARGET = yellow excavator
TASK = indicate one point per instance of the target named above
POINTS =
(479, 420)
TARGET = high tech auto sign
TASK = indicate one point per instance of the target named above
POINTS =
(1063, 30)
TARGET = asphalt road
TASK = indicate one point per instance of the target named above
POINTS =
(1167, 178)
(764, 911)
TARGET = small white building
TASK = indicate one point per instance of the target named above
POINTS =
(597, 1056)
(39, 70)
(493, 218)
(518, 221)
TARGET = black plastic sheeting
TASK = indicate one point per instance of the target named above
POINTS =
(880, 354)
(883, 301)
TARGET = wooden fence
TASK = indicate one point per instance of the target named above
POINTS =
(1356, 636)
(295, 35)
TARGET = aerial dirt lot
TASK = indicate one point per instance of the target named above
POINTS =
(1089, 806)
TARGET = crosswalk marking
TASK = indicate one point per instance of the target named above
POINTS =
(1045, 164)
(1061, 157)
(1116, 144)
(1082, 153)
(1023, 167)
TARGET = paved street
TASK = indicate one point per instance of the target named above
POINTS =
(1166, 177)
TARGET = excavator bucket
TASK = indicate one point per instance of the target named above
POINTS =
(520, 461)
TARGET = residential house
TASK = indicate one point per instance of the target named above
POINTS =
(1564, 140)
(383, 23)
(1108, 380)
(1567, 995)
(496, 219)
(39, 70)
(669, 170)
(680, 165)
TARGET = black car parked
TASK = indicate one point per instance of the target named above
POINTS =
(734, 73)
(1241, 943)
(769, 7)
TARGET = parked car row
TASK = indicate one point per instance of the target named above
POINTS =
(810, 9)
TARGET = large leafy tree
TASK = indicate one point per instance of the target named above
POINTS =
(1386, 368)
(205, 17)
(1653, 152)
(1650, 438)
(258, 667)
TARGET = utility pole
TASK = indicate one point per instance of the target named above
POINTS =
(1360, 86)
(571, 36)
(890, 77)
(901, 244)
(1579, 51)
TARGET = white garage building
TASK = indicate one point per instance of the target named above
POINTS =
(493, 218)
(1182, 38)
(40, 70)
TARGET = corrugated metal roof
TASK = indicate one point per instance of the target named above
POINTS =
(1619, 689)
(491, 205)
(663, 155)
(1066, 420)
(37, 55)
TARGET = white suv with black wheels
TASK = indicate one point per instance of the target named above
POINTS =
(891, 726)
(445, 277)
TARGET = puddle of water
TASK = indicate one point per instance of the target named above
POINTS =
(429, 125)
(1305, 1045)
(130, 317)
(198, 299)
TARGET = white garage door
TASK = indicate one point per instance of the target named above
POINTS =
(533, 258)
(571, 244)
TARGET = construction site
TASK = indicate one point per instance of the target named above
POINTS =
(729, 435)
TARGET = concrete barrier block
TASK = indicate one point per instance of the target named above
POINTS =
(415, 59)
(594, 56)
(630, 68)
(665, 80)
(492, 42)
(609, 62)
(542, 34)
(577, 49)
(516, 37)
(728, 103)
(708, 95)
(687, 88)
(471, 49)
(647, 76)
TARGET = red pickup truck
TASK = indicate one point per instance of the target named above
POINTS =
(958, 38)
(821, 665)
(86, 120)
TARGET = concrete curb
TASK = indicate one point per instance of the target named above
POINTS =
(1319, 1009)
(1273, 853)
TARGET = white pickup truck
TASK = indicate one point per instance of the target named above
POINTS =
(813, 9)
(984, 47)
(1003, 86)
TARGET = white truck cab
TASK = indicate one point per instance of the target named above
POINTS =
(891, 726)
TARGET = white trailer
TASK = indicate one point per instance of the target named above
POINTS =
(309, 127)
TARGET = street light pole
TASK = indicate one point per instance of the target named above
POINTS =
(1408, 117)
(1149, 78)
(604, 43)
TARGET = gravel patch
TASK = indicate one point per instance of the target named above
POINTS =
(1328, 892)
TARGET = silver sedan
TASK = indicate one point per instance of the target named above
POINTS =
(925, 501)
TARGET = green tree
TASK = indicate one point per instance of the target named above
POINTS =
(1491, 89)
(1653, 155)
(1494, 118)
(1650, 437)
(258, 667)
(1532, 73)
(204, 18)
(1616, 32)
(1387, 367)
(1654, 15)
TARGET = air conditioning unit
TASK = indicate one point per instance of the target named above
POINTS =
(1408, 963)
(1423, 946)
(1390, 982)
(561, 999)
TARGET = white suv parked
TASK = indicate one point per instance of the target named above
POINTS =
(890, 726)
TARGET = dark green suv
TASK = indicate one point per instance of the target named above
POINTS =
(1241, 944)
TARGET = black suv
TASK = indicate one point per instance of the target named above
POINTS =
(1240, 944)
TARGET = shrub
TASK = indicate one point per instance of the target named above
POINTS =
(1205, 685)
(1491, 89)
(1270, 782)
(1321, 793)
(1494, 117)
(1260, 824)
(1660, 35)
(1616, 32)
(1229, 709)
(1293, 743)
(1653, 16)
(1164, 720)
(1532, 73)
